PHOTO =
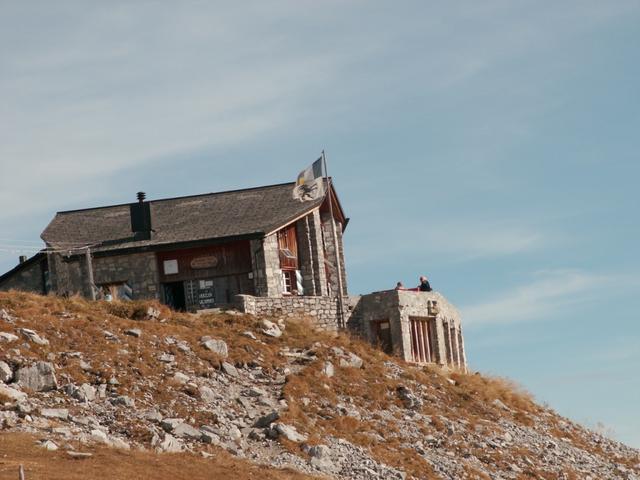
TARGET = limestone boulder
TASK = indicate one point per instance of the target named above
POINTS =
(217, 346)
(6, 374)
(85, 393)
(55, 413)
(271, 329)
(7, 337)
(351, 360)
(12, 393)
(230, 370)
(170, 444)
(33, 336)
(40, 377)
(267, 419)
(328, 369)
(289, 432)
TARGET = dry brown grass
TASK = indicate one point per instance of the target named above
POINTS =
(110, 464)
(479, 391)
(74, 324)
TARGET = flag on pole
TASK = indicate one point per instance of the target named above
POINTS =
(310, 184)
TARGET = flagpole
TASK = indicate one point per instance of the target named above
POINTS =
(335, 244)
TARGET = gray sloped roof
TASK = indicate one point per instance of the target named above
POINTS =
(238, 213)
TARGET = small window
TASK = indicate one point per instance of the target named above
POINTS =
(289, 281)
(292, 282)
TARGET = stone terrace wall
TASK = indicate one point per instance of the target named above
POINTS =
(322, 310)
(401, 309)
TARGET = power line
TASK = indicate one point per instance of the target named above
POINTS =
(33, 250)
(27, 242)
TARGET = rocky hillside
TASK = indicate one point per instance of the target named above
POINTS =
(133, 390)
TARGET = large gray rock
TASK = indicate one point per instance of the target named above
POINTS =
(271, 329)
(6, 374)
(207, 394)
(8, 337)
(32, 336)
(180, 378)
(216, 346)
(57, 413)
(109, 440)
(289, 432)
(321, 458)
(267, 419)
(351, 361)
(170, 444)
(184, 430)
(85, 393)
(168, 424)
(409, 399)
(230, 369)
(6, 316)
(178, 428)
(123, 400)
(12, 393)
(328, 369)
(49, 445)
(40, 377)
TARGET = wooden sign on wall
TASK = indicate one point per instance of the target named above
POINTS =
(199, 263)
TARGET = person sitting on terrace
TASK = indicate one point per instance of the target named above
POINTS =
(424, 285)
(400, 286)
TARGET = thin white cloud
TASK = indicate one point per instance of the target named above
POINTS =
(455, 241)
(131, 85)
(550, 292)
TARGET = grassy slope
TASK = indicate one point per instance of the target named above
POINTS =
(112, 464)
(77, 325)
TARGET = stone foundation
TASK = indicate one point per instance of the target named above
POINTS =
(420, 327)
(323, 311)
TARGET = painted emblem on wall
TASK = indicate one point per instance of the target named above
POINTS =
(210, 261)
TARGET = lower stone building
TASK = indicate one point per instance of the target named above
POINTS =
(420, 327)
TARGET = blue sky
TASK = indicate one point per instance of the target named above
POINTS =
(490, 145)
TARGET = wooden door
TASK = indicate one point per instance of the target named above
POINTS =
(382, 335)
(288, 245)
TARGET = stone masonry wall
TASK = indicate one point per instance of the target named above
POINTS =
(400, 307)
(28, 279)
(330, 246)
(265, 259)
(305, 258)
(322, 311)
(317, 253)
(65, 275)
(139, 270)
